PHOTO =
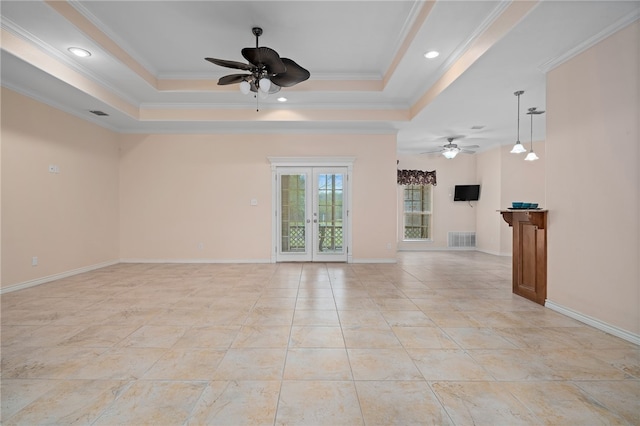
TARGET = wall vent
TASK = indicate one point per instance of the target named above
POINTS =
(462, 240)
(99, 113)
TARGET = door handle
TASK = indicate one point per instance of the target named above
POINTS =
(308, 220)
(315, 220)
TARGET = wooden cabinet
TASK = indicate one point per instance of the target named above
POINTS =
(529, 252)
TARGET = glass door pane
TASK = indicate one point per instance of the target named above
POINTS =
(293, 222)
(293, 213)
(329, 215)
(311, 214)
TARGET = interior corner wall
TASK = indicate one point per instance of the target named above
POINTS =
(521, 181)
(593, 182)
(188, 197)
(504, 178)
(448, 215)
(488, 220)
(68, 219)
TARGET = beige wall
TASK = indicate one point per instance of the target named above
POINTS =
(488, 221)
(503, 178)
(187, 197)
(593, 184)
(69, 220)
(521, 181)
(448, 216)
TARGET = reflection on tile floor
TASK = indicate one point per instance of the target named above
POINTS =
(437, 338)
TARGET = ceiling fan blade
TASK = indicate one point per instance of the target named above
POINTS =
(467, 151)
(295, 74)
(268, 57)
(230, 64)
(470, 146)
(232, 79)
(433, 152)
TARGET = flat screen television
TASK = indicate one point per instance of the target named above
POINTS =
(466, 193)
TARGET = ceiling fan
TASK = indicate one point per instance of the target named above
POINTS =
(267, 71)
(450, 149)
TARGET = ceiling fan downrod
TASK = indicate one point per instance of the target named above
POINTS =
(257, 31)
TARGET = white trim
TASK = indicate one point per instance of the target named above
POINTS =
(114, 37)
(311, 162)
(49, 278)
(436, 249)
(136, 260)
(594, 322)
(495, 253)
(387, 260)
(81, 114)
(464, 46)
(65, 60)
(277, 162)
(590, 42)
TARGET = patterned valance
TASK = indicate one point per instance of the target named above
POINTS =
(416, 177)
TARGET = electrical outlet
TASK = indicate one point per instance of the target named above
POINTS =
(34, 261)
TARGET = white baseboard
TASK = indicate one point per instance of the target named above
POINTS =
(594, 322)
(49, 278)
(388, 260)
(135, 260)
(495, 253)
(437, 249)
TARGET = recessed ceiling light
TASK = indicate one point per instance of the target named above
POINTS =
(431, 54)
(79, 52)
(282, 99)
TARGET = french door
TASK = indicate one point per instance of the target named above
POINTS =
(311, 214)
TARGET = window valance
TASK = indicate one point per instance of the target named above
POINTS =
(416, 177)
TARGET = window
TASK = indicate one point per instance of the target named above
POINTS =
(417, 212)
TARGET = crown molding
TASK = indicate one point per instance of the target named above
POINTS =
(27, 36)
(113, 36)
(250, 103)
(462, 47)
(82, 114)
(591, 41)
(330, 128)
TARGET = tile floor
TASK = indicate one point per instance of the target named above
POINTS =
(437, 338)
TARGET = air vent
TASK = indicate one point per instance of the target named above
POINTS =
(477, 127)
(462, 239)
(100, 113)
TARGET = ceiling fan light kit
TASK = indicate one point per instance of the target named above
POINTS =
(450, 149)
(450, 154)
(268, 72)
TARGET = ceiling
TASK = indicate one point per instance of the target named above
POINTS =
(368, 72)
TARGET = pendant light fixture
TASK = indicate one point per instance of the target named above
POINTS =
(518, 148)
(531, 156)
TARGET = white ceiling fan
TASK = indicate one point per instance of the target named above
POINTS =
(450, 149)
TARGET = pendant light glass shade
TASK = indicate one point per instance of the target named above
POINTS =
(265, 85)
(531, 156)
(245, 87)
(518, 148)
